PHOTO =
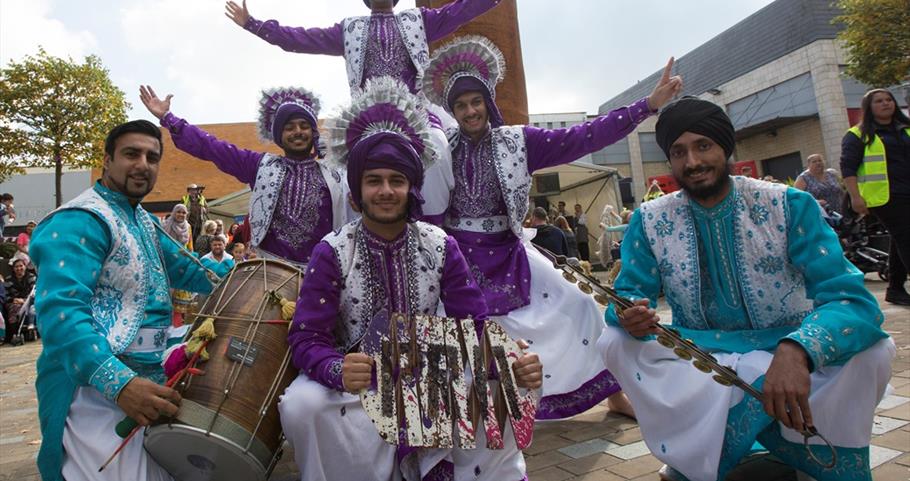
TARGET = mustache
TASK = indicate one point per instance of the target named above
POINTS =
(696, 170)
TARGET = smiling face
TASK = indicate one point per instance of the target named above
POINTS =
(19, 269)
(384, 196)
(470, 110)
(297, 138)
(700, 167)
(133, 168)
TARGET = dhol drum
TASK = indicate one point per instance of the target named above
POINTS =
(228, 426)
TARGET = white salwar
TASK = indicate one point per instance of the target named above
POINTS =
(683, 412)
(89, 438)
(561, 324)
(333, 438)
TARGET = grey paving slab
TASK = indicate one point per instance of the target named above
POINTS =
(587, 448)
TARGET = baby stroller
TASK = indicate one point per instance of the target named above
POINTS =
(26, 317)
(865, 241)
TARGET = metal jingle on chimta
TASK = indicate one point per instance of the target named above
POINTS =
(585, 287)
(420, 396)
(569, 276)
(601, 299)
(702, 366)
(666, 341)
(722, 380)
(682, 354)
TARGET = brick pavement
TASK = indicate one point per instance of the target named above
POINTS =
(594, 446)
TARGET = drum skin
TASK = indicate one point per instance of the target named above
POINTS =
(228, 425)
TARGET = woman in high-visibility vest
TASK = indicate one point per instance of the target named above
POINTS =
(875, 163)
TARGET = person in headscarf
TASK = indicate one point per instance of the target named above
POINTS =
(753, 274)
(178, 226)
(492, 166)
(296, 198)
(385, 262)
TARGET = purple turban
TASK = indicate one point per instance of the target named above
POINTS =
(386, 150)
(290, 111)
(469, 83)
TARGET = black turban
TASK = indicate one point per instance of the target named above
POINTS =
(691, 114)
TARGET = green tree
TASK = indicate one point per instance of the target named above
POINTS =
(877, 37)
(56, 113)
(8, 169)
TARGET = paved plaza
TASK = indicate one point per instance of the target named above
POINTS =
(594, 446)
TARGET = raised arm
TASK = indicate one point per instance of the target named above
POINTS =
(240, 163)
(325, 41)
(547, 148)
(442, 21)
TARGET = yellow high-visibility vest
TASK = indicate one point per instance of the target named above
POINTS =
(872, 175)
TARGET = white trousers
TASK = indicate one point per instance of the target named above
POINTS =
(682, 412)
(89, 439)
(334, 439)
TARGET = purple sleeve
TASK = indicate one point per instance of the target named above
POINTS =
(444, 20)
(311, 336)
(547, 148)
(229, 158)
(324, 41)
(458, 290)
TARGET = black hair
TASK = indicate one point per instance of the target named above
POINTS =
(867, 124)
(6, 196)
(133, 127)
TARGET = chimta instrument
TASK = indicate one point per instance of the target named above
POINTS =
(671, 339)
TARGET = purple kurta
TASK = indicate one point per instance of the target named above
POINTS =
(386, 53)
(312, 337)
(303, 213)
(497, 258)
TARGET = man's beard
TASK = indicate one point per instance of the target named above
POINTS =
(707, 191)
(123, 187)
(403, 215)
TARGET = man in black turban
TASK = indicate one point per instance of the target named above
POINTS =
(698, 139)
(753, 274)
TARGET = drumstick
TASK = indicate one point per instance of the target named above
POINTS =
(170, 383)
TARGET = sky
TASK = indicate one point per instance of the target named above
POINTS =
(577, 53)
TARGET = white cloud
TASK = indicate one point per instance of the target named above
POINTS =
(27, 24)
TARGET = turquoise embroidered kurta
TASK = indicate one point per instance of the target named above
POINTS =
(90, 332)
(720, 311)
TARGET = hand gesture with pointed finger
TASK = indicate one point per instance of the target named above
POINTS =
(151, 101)
(667, 88)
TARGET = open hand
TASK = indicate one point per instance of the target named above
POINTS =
(527, 369)
(356, 372)
(240, 15)
(151, 101)
(787, 385)
(144, 400)
(667, 87)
